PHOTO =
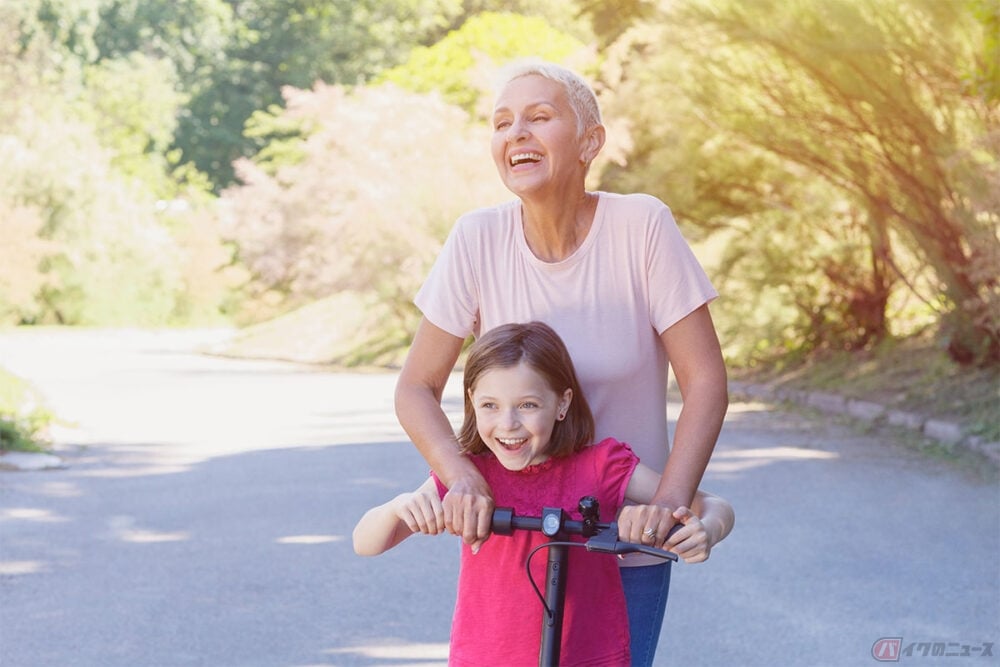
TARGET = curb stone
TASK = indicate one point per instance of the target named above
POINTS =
(949, 434)
(908, 420)
(27, 461)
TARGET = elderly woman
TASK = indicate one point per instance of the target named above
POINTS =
(613, 276)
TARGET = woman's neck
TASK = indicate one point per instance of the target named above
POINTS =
(553, 229)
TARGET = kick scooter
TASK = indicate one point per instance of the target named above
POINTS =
(555, 524)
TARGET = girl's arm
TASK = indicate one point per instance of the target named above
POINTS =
(385, 526)
(707, 523)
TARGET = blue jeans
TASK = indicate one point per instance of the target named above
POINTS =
(646, 588)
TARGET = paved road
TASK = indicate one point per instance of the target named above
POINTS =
(205, 512)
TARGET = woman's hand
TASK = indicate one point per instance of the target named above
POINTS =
(468, 510)
(645, 524)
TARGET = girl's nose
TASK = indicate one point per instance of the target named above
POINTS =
(510, 420)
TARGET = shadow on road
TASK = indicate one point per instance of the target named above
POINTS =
(128, 558)
(238, 560)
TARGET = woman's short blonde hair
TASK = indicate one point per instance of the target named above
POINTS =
(581, 96)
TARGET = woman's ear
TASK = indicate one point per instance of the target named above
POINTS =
(593, 142)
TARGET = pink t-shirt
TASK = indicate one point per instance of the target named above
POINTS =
(498, 616)
(631, 279)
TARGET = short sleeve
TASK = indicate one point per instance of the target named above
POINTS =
(448, 298)
(617, 462)
(678, 285)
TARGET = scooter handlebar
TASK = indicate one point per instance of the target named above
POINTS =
(602, 537)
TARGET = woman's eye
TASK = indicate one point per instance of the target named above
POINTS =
(502, 125)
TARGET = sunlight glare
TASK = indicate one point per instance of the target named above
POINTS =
(421, 652)
(309, 539)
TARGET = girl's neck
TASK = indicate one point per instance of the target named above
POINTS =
(553, 229)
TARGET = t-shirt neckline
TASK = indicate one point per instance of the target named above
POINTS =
(576, 255)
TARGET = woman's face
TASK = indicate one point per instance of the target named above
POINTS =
(516, 410)
(535, 138)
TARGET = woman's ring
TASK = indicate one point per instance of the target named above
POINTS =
(649, 532)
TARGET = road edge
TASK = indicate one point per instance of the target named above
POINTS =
(950, 435)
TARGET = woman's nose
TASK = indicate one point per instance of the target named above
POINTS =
(518, 130)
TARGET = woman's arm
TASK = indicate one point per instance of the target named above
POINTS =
(707, 523)
(693, 349)
(468, 505)
(385, 526)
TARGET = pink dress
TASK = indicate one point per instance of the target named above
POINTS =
(498, 616)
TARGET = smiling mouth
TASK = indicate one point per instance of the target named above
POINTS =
(512, 444)
(524, 158)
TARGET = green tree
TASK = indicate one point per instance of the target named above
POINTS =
(873, 100)
(79, 184)
(459, 66)
(294, 43)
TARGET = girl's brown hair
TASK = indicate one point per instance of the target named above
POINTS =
(537, 345)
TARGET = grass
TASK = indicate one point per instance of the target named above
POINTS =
(913, 375)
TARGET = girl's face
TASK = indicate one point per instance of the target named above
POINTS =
(516, 410)
(535, 135)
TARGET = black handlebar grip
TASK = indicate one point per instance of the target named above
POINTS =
(503, 520)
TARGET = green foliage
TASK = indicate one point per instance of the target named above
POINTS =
(133, 105)
(23, 420)
(458, 67)
(984, 73)
(87, 183)
(857, 105)
(838, 158)
(101, 255)
(295, 43)
(69, 24)
(610, 19)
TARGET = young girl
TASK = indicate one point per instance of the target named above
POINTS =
(527, 427)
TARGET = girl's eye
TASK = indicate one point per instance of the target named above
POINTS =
(488, 406)
(529, 405)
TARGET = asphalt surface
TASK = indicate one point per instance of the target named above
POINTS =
(204, 511)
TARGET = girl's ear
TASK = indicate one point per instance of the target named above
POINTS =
(564, 402)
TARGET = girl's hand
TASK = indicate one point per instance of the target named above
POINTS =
(691, 542)
(421, 511)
